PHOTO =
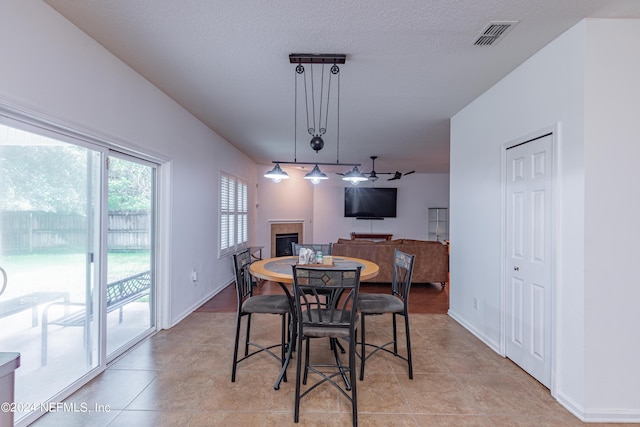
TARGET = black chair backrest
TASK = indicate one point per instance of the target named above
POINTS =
(325, 248)
(402, 271)
(312, 285)
(241, 262)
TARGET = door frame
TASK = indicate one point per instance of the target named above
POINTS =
(75, 133)
(554, 132)
(154, 305)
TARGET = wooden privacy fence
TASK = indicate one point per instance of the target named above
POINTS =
(29, 231)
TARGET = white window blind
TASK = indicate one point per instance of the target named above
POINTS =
(233, 214)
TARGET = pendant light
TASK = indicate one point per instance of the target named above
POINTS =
(316, 118)
(276, 174)
(316, 175)
(354, 176)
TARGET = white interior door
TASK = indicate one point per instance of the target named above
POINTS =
(529, 262)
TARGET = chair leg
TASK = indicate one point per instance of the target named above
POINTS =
(235, 348)
(306, 361)
(407, 332)
(352, 375)
(363, 355)
(395, 335)
(246, 341)
(347, 382)
(296, 410)
(293, 331)
(285, 359)
(283, 345)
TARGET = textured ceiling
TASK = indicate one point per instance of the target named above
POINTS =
(411, 65)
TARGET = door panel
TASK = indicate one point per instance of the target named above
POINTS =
(529, 267)
(517, 326)
(49, 247)
(130, 274)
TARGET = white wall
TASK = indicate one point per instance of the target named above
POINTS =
(612, 207)
(52, 69)
(551, 89)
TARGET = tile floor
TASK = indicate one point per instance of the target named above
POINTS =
(181, 377)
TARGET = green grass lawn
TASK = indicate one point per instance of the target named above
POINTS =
(64, 271)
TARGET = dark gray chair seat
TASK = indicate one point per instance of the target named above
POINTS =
(327, 330)
(267, 304)
(379, 304)
(396, 303)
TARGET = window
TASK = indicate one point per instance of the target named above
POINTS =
(233, 214)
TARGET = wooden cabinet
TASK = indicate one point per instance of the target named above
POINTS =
(371, 236)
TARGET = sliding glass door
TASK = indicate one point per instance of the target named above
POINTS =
(130, 236)
(50, 251)
(77, 236)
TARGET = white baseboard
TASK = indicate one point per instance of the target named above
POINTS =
(197, 304)
(493, 345)
(598, 415)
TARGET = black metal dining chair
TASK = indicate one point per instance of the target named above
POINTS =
(321, 317)
(396, 303)
(325, 248)
(249, 304)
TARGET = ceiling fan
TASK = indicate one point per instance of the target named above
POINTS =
(373, 175)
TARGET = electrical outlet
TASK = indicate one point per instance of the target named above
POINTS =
(194, 275)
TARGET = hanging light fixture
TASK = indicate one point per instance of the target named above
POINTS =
(354, 176)
(276, 174)
(317, 113)
(316, 175)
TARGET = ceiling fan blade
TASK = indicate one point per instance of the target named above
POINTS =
(340, 173)
(395, 176)
(409, 173)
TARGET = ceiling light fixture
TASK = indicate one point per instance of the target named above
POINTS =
(316, 123)
(354, 176)
(316, 175)
(276, 174)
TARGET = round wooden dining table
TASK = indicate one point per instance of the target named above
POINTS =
(280, 269)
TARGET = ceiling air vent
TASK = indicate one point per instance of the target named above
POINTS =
(493, 32)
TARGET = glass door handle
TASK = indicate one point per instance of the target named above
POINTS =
(4, 280)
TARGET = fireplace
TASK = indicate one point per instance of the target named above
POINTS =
(283, 243)
(290, 228)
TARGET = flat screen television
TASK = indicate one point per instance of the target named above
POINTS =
(370, 203)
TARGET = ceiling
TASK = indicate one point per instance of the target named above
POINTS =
(411, 65)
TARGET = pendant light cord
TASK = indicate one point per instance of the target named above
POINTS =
(310, 129)
(337, 121)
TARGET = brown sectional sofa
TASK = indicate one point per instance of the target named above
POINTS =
(431, 264)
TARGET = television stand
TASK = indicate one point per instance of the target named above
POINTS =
(371, 236)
